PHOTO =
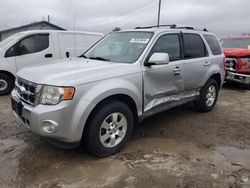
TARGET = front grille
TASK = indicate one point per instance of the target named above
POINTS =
(231, 64)
(27, 91)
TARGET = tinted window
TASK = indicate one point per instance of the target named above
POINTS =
(194, 46)
(11, 52)
(168, 44)
(33, 44)
(213, 44)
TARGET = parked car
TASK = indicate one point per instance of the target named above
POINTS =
(35, 47)
(124, 78)
(237, 51)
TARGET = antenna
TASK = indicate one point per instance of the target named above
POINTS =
(48, 18)
(159, 14)
(75, 32)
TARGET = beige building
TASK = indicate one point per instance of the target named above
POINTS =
(43, 25)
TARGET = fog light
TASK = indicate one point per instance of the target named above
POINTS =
(49, 126)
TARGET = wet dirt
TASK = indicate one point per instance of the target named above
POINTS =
(177, 148)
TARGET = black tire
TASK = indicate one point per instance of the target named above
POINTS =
(6, 84)
(201, 103)
(248, 86)
(92, 139)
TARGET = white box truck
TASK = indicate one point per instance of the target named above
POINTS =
(35, 47)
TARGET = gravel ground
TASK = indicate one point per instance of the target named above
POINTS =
(177, 148)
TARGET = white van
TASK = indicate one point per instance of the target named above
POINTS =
(35, 47)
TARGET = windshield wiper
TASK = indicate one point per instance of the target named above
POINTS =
(99, 58)
(83, 56)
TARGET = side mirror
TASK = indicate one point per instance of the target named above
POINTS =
(67, 54)
(158, 59)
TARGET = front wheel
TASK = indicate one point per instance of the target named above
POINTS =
(248, 87)
(208, 96)
(109, 129)
(6, 84)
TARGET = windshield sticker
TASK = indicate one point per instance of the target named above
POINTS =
(139, 40)
(248, 47)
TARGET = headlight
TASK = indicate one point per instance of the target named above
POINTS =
(52, 95)
(246, 63)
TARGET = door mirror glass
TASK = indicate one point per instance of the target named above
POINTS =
(159, 59)
(67, 54)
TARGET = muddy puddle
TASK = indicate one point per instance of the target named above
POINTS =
(178, 148)
(157, 157)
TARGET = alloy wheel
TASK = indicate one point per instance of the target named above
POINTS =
(113, 129)
(3, 85)
(211, 95)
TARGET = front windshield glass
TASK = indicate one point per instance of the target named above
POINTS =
(121, 47)
(236, 43)
(9, 39)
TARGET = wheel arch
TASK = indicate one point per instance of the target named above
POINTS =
(8, 74)
(126, 99)
(217, 78)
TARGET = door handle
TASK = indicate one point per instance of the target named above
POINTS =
(48, 55)
(206, 64)
(177, 71)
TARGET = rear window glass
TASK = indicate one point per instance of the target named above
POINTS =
(194, 46)
(213, 44)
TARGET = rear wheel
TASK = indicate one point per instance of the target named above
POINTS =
(6, 84)
(208, 96)
(109, 129)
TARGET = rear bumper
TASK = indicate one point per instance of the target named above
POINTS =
(236, 77)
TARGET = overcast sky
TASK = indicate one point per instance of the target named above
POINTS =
(224, 17)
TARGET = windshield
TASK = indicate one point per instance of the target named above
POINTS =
(9, 39)
(236, 43)
(121, 47)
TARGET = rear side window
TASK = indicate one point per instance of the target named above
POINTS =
(34, 43)
(194, 46)
(168, 44)
(213, 44)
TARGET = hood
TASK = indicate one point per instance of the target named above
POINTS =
(75, 71)
(236, 52)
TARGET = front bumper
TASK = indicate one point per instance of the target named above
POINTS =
(66, 116)
(236, 77)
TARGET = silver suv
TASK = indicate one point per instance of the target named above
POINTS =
(124, 78)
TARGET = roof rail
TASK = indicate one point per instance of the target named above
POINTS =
(153, 26)
(174, 26)
(188, 27)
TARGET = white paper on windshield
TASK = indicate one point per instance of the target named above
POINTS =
(139, 40)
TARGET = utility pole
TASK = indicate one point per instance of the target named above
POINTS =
(159, 14)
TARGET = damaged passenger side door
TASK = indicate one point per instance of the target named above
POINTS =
(163, 83)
